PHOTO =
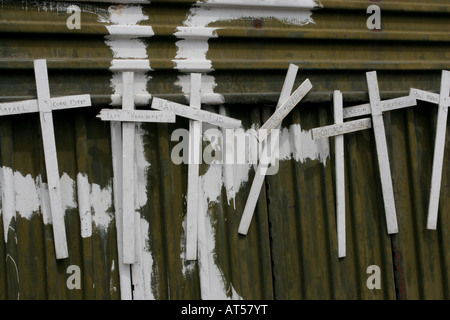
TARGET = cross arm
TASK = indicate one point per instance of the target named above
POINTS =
(283, 110)
(195, 114)
(58, 103)
(136, 115)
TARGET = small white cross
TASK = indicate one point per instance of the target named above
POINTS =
(376, 107)
(286, 103)
(443, 100)
(196, 116)
(123, 139)
(45, 105)
(338, 130)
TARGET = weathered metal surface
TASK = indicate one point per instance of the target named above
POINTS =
(290, 251)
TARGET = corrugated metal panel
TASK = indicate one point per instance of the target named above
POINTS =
(290, 250)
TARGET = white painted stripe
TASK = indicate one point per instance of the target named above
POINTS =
(130, 65)
(130, 31)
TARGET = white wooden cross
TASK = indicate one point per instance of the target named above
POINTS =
(338, 130)
(285, 104)
(196, 116)
(443, 100)
(376, 107)
(45, 105)
(128, 116)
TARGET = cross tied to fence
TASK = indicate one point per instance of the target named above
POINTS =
(44, 104)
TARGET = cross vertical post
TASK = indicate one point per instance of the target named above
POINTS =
(195, 142)
(51, 160)
(340, 175)
(338, 130)
(128, 194)
(196, 116)
(382, 152)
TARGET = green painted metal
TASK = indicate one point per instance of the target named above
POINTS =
(290, 251)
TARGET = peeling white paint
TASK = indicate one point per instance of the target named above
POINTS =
(101, 200)
(143, 270)
(8, 198)
(297, 12)
(67, 185)
(212, 282)
(297, 144)
(141, 167)
(192, 48)
(27, 196)
(124, 43)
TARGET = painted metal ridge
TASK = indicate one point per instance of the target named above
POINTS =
(130, 65)
(196, 32)
(388, 6)
(130, 31)
(291, 4)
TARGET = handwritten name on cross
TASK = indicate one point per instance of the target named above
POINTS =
(443, 101)
(128, 117)
(376, 107)
(285, 104)
(338, 130)
(44, 104)
(196, 115)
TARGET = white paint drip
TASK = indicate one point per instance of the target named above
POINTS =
(101, 200)
(143, 270)
(295, 144)
(141, 167)
(212, 282)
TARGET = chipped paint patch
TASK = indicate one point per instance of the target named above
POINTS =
(297, 144)
(26, 196)
(212, 283)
